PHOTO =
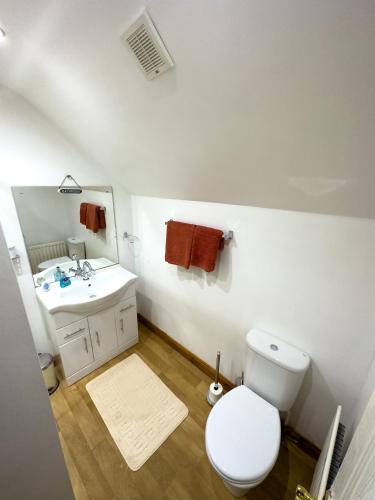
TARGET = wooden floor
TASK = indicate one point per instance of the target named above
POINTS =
(179, 469)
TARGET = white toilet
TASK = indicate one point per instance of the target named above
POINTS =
(243, 429)
(75, 245)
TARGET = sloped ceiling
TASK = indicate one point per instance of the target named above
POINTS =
(271, 103)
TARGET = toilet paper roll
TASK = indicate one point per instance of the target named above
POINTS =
(214, 393)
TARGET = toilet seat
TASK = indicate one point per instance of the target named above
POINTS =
(243, 437)
(53, 262)
(244, 484)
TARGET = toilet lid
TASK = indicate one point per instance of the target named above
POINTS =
(53, 262)
(243, 435)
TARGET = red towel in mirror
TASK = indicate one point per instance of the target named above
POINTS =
(206, 244)
(95, 218)
(178, 243)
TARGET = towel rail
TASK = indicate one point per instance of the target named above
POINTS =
(227, 235)
(103, 209)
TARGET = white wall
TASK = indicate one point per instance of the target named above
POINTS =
(33, 152)
(309, 279)
(363, 397)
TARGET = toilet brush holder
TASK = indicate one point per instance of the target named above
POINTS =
(215, 390)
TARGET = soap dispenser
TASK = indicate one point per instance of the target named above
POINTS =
(64, 280)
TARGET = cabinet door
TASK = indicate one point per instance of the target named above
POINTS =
(76, 354)
(103, 332)
(126, 321)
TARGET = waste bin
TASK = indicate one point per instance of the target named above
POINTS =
(48, 371)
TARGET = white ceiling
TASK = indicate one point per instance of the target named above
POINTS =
(271, 103)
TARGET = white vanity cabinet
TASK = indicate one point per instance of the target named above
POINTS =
(85, 343)
(91, 321)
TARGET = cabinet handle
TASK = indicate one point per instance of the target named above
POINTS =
(126, 308)
(74, 333)
(122, 325)
(86, 346)
(97, 338)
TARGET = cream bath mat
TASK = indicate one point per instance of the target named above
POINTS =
(138, 409)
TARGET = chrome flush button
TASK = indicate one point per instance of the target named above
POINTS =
(274, 347)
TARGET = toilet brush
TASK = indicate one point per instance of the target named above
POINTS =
(216, 389)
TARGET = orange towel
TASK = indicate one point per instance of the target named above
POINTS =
(206, 244)
(82, 213)
(178, 244)
(95, 218)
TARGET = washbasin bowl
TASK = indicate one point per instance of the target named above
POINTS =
(84, 296)
(85, 291)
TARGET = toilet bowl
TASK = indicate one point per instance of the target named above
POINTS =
(242, 439)
(243, 429)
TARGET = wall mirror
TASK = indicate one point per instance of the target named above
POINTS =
(59, 228)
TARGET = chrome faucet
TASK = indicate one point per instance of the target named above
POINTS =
(87, 270)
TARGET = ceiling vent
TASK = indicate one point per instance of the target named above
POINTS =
(144, 41)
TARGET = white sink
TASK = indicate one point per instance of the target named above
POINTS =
(82, 292)
(83, 296)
